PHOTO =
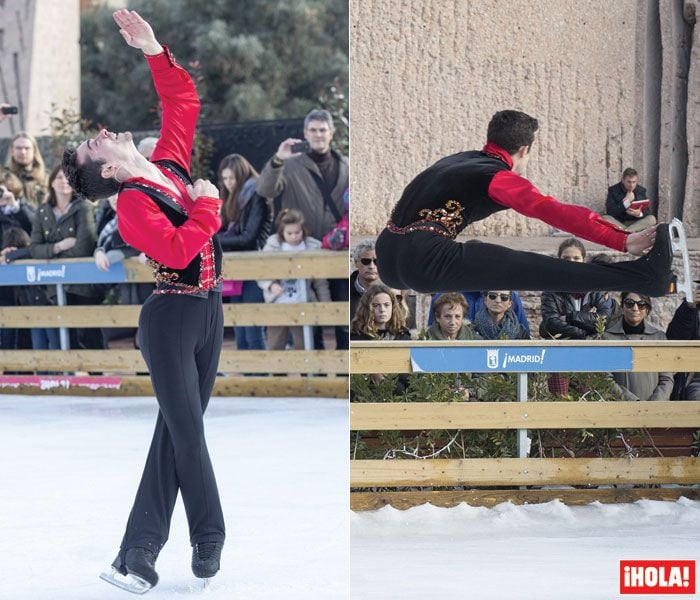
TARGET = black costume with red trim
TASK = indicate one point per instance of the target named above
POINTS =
(180, 326)
(418, 250)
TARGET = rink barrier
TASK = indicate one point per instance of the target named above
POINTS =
(371, 480)
(292, 373)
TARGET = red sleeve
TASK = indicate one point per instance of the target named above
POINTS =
(180, 106)
(145, 227)
(507, 188)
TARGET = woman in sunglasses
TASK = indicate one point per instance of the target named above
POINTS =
(496, 320)
(634, 326)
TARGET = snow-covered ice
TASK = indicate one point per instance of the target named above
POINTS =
(69, 468)
(541, 552)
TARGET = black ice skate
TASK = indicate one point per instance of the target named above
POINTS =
(136, 574)
(657, 263)
(206, 557)
(680, 246)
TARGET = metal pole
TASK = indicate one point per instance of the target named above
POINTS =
(523, 441)
(61, 301)
(308, 333)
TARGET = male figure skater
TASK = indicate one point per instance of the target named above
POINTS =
(181, 324)
(418, 249)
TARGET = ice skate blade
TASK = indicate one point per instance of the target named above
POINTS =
(129, 583)
(680, 246)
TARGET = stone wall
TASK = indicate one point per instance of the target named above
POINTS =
(608, 82)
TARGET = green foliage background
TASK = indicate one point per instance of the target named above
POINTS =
(253, 60)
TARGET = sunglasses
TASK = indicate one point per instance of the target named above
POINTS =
(368, 261)
(493, 296)
(640, 304)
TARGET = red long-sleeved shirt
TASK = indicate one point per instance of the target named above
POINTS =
(142, 224)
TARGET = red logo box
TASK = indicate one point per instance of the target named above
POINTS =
(657, 577)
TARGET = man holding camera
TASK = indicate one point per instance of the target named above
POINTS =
(627, 204)
(311, 178)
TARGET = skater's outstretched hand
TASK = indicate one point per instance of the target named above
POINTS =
(136, 31)
(640, 243)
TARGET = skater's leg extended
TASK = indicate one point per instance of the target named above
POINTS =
(428, 262)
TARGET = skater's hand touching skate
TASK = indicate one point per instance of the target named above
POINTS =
(137, 32)
(202, 187)
(640, 243)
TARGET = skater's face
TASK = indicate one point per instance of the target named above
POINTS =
(381, 309)
(293, 234)
(228, 179)
(629, 183)
(319, 135)
(497, 303)
(113, 149)
(634, 309)
(23, 151)
(450, 320)
(367, 268)
(572, 254)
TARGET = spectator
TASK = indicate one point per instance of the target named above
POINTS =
(685, 325)
(379, 316)
(291, 236)
(450, 310)
(364, 275)
(24, 160)
(496, 320)
(475, 302)
(618, 204)
(633, 326)
(338, 238)
(15, 213)
(571, 316)
(64, 228)
(17, 245)
(245, 226)
(314, 184)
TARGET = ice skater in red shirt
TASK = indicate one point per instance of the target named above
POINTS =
(173, 221)
(417, 250)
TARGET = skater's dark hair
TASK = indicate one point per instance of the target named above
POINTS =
(629, 172)
(86, 178)
(450, 299)
(511, 129)
(571, 243)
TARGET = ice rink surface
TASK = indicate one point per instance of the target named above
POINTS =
(69, 469)
(538, 552)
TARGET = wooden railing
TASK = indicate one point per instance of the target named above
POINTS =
(487, 481)
(268, 373)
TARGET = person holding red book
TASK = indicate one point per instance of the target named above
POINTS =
(627, 204)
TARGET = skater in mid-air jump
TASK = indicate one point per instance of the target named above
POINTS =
(181, 325)
(417, 250)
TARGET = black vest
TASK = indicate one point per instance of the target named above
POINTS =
(181, 281)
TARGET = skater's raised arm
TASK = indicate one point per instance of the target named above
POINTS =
(176, 91)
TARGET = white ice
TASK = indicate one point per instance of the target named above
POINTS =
(538, 552)
(69, 468)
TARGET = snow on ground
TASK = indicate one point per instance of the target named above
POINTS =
(540, 552)
(69, 468)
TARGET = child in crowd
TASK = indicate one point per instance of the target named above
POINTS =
(291, 236)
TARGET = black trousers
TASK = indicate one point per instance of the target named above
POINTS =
(180, 339)
(428, 262)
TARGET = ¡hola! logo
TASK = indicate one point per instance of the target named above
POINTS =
(657, 577)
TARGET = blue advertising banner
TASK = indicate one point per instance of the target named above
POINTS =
(52, 273)
(521, 359)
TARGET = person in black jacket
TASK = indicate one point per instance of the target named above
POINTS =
(246, 225)
(618, 204)
(685, 325)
